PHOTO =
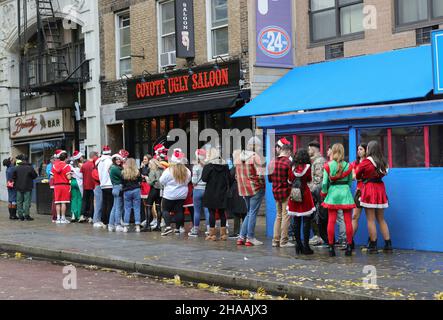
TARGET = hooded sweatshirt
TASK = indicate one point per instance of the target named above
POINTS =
(104, 164)
(250, 171)
(60, 171)
(172, 189)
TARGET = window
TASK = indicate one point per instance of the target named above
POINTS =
(334, 51)
(408, 150)
(218, 27)
(123, 44)
(379, 135)
(167, 34)
(335, 18)
(436, 146)
(412, 12)
(329, 139)
(423, 35)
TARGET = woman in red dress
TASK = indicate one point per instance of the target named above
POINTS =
(373, 197)
(303, 207)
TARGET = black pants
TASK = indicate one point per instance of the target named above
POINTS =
(173, 210)
(88, 203)
(238, 220)
(108, 202)
(212, 217)
(306, 228)
(323, 227)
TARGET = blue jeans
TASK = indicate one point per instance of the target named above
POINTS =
(98, 196)
(198, 205)
(117, 208)
(341, 227)
(132, 201)
(253, 205)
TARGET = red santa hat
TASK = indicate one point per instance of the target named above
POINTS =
(159, 148)
(124, 154)
(283, 142)
(76, 155)
(200, 154)
(106, 150)
(178, 157)
(58, 153)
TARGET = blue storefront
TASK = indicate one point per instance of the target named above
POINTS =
(388, 97)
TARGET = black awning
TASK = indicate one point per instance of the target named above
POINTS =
(198, 103)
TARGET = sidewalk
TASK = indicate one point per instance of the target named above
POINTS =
(402, 275)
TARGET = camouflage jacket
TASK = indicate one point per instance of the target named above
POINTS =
(318, 163)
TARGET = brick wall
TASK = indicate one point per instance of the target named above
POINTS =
(384, 38)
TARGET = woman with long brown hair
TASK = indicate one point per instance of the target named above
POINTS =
(175, 181)
(373, 197)
(336, 187)
(361, 156)
(131, 193)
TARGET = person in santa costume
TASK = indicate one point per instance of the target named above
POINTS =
(301, 204)
(61, 172)
(361, 156)
(373, 198)
(336, 188)
(145, 187)
(161, 154)
(76, 186)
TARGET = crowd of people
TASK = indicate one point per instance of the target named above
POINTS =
(114, 193)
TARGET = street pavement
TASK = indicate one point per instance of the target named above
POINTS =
(401, 275)
(29, 279)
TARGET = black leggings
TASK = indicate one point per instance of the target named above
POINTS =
(306, 228)
(176, 208)
(212, 217)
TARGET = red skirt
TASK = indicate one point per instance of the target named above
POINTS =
(145, 189)
(373, 196)
(62, 194)
(302, 209)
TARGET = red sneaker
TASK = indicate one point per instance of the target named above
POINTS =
(249, 244)
(240, 242)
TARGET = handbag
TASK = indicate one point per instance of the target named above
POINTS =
(10, 184)
(296, 191)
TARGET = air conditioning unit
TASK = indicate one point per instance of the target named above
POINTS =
(168, 59)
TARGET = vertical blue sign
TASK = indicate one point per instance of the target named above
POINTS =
(437, 60)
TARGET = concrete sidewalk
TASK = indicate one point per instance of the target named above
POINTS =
(402, 275)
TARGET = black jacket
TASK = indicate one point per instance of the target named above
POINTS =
(218, 182)
(236, 203)
(24, 176)
(129, 185)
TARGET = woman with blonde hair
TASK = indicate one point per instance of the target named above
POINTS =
(175, 180)
(131, 193)
(336, 187)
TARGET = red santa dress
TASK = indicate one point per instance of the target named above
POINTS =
(62, 185)
(373, 194)
(307, 207)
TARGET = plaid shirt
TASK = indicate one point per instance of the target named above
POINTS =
(250, 174)
(279, 176)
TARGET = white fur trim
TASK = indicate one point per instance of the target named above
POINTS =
(301, 214)
(374, 206)
(299, 175)
(188, 206)
(62, 202)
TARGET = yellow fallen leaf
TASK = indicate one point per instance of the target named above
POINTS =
(439, 296)
(261, 291)
(436, 271)
(242, 293)
(203, 286)
(214, 289)
(18, 255)
(177, 280)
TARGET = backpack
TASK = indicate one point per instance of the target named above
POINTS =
(297, 191)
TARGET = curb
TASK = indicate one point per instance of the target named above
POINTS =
(226, 281)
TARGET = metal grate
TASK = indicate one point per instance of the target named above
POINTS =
(334, 51)
(423, 35)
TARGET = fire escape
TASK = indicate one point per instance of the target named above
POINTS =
(48, 65)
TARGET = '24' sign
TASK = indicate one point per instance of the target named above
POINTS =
(274, 42)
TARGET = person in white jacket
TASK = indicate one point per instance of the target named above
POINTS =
(104, 163)
(175, 181)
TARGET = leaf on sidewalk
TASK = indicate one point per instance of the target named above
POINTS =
(203, 286)
(18, 255)
(439, 296)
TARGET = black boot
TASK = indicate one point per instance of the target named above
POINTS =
(388, 246)
(353, 245)
(297, 230)
(306, 233)
(13, 214)
(298, 247)
(372, 247)
(331, 251)
(349, 249)
(147, 227)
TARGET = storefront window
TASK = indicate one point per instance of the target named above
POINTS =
(303, 140)
(408, 150)
(379, 135)
(329, 139)
(41, 153)
(436, 146)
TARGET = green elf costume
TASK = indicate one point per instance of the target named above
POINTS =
(336, 189)
(76, 187)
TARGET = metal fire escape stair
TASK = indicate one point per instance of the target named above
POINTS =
(52, 36)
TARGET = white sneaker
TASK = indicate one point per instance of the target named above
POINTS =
(58, 221)
(253, 242)
(167, 231)
(287, 245)
(111, 228)
(315, 240)
(98, 225)
(163, 224)
(119, 229)
(182, 230)
(137, 229)
(104, 226)
(125, 229)
(143, 224)
(154, 224)
(82, 219)
(64, 221)
(90, 221)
